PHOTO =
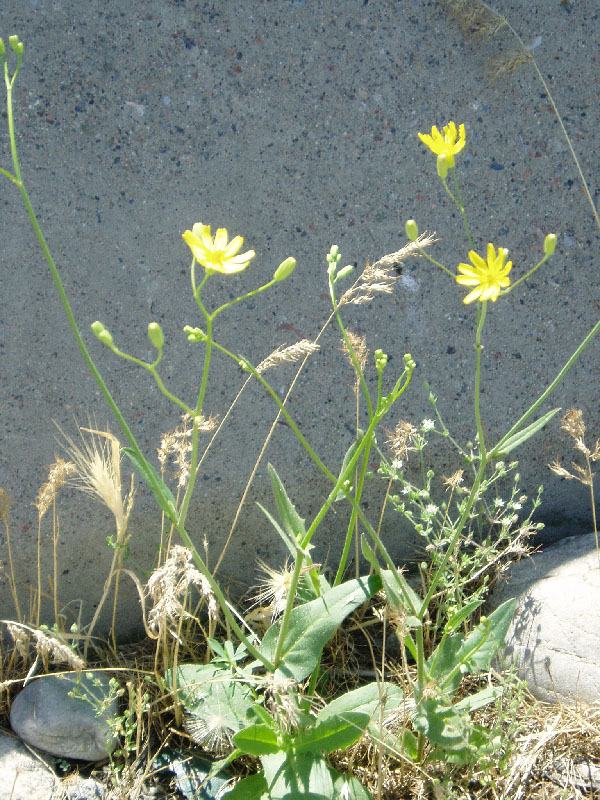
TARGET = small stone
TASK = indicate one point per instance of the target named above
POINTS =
(554, 638)
(45, 716)
(22, 775)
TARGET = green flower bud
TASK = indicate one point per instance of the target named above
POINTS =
(381, 359)
(442, 166)
(412, 230)
(408, 361)
(334, 254)
(343, 272)
(15, 44)
(194, 334)
(2, 47)
(550, 244)
(155, 335)
(102, 334)
(285, 269)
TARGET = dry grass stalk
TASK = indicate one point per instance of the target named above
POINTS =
(358, 344)
(289, 355)
(176, 446)
(572, 423)
(380, 277)
(169, 586)
(58, 474)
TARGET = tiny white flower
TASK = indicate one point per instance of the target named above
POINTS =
(406, 490)
(517, 506)
(498, 502)
(427, 424)
(396, 464)
(431, 509)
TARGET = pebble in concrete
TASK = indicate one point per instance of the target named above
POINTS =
(555, 635)
(45, 716)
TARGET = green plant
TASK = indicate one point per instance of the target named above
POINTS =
(260, 690)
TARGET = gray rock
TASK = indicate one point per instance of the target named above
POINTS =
(78, 788)
(23, 775)
(45, 716)
(555, 635)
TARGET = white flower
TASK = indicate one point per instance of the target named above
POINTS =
(427, 425)
(406, 490)
(396, 464)
(498, 502)
(517, 506)
(431, 509)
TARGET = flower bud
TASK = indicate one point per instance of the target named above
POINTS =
(334, 254)
(343, 272)
(102, 334)
(2, 47)
(550, 244)
(381, 359)
(443, 164)
(194, 334)
(285, 269)
(155, 335)
(15, 44)
(412, 229)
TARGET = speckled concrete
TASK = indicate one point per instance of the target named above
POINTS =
(293, 124)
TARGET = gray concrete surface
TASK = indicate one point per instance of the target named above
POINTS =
(293, 124)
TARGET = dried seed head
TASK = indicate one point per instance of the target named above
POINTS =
(454, 481)
(358, 344)
(176, 446)
(49, 646)
(400, 441)
(288, 355)
(57, 477)
(21, 637)
(169, 586)
(572, 423)
(210, 730)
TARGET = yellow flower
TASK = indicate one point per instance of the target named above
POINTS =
(216, 254)
(445, 145)
(488, 277)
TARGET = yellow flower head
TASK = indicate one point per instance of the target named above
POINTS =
(216, 254)
(445, 145)
(488, 277)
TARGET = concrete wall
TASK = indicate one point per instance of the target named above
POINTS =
(293, 124)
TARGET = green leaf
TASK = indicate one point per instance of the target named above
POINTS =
(332, 733)
(349, 787)
(398, 591)
(456, 620)
(365, 700)
(253, 787)
(481, 644)
(205, 690)
(155, 483)
(347, 459)
(257, 740)
(504, 447)
(441, 723)
(312, 625)
(480, 699)
(292, 523)
(297, 776)
(289, 543)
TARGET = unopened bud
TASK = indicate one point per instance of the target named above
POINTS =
(334, 254)
(550, 244)
(15, 44)
(381, 359)
(155, 335)
(343, 272)
(102, 334)
(285, 269)
(2, 47)
(443, 164)
(412, 229)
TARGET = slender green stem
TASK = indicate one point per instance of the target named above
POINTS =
(527, 275)
(349, 347)
(481, 313)
(461, 206)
